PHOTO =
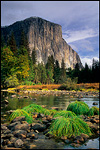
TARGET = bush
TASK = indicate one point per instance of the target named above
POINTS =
(64, 113)
(21, 112)
(93, 111)
(11, 81)
(78, 107)
(69, 127)
(69, 85)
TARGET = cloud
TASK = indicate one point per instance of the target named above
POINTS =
(62, 12)
(72, 36)
(88, 60)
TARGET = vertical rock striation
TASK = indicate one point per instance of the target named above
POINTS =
(46, 38)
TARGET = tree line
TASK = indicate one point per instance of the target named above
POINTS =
(18, 67)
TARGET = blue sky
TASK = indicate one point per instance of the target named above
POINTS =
(79, 21)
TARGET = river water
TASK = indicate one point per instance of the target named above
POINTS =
(61, 101)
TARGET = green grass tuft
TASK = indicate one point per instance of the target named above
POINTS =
(36, 108)
(78, 107)
(69, 127)
(93, 111)
(21, 112)
(64, 113)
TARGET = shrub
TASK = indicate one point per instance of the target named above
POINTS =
(69, 127)
(93, 111)
(11, 81)
(64, 113)
(69, 85)
(21, 112)
(78, 107)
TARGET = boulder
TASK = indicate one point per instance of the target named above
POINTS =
(32, 135)
(94, 103)
(12, 125)
(19, 143)
(22, 118)
(18, 133)
(21, 126)
(38, 126)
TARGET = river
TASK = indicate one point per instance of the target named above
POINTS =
(61, 101)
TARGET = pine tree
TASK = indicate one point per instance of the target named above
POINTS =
(12, 44)
(34, 60)
(24, 45)
(2, 41)
(63, 71)
(56, 72)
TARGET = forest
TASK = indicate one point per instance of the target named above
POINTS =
(19, 68)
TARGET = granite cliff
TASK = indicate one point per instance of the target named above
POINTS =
(46, 38)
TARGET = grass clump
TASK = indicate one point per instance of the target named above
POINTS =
(78, 107)
(36, 108)
(93, 111)
(21, 112)
(69, 127)
(64, 113)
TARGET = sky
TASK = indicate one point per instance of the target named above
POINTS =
(79, 21)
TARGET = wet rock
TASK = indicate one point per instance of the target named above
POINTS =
(13, 139)
(21, 127)
(64, 138)
(7, 136)
(38, 126)
(12, 125)
(75, 145)
(10, 144)
(94, 127)
(6, 102)
(94, 103)
(10, 111)
(7, 131)
(93, 120)
(25, 96)
(32, 146)
(22, 118)
(12, 96)
(80, 138)
(56, 108)
(32, 135)
(3, 127)
(77, 141)
(40, 115)
(67, 141)
(19, 143)
(18, 133)
(45, 121)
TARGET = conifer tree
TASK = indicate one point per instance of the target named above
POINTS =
(56, 72)
(63, 70)
(12, 43)
(24, 45)
(34, 56)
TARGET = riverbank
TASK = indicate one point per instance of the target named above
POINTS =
(21, 135)
(37, 138)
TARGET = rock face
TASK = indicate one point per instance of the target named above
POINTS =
(46, 38)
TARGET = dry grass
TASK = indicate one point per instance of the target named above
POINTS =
(56, 86)
(89, 85)
(40, 87)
